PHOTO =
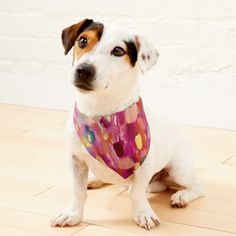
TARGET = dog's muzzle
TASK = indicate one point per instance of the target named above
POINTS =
(84, 76)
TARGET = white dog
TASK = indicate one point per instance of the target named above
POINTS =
(108, 131)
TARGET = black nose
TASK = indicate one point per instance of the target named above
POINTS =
(85, 73)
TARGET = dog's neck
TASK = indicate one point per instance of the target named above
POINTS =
(108, 101)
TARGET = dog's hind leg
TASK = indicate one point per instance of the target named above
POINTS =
(183, 173)
(94, 183)
(157, 183)
(156, 187)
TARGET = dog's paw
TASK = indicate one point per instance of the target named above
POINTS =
(179, 199)
(146, 220)
(66, 218)
(95, 183)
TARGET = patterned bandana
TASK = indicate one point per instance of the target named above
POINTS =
(121, 140)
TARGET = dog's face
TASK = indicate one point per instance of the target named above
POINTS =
(105, 57)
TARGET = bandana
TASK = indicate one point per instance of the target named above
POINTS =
(121, 141)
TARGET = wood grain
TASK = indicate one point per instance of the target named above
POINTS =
(35, 184)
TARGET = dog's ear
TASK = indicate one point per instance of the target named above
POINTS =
(70, 34)
(147, 54)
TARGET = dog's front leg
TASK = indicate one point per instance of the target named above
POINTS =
(143, 214)
(74, 212)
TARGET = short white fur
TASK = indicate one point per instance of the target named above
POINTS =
(117, 87)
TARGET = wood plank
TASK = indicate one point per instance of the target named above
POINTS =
(46, 174)
(122, 220)
(219, 175)
(13, 186)
(231, 161)
(64, 193)
(205, 208)
(31, 115)
(166, 228)
(35, 204)
(9, 231)
(30, 158)
(208, 216)
(219, 218)
(33, 222)
(211, 145)
(97, 230)
(29, 199)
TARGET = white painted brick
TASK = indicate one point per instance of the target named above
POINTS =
(125, 8)
(9, 5)
(5, 66)
(213, 60)
(182, 8)
(170, 33)
(178, 59)
(47, 7)
(32, 50)
(30, 26)
(59, 70)
(221, 34)
(214, 82)
(195, 9)
(232, 8)
(196, 38)
(213, 35)
(27, 68)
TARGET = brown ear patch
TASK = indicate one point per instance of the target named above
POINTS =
(137, 42)
(71, 33)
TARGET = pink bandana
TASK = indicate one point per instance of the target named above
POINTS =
(121, 140)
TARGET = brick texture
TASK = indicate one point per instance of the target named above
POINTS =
(196, 39)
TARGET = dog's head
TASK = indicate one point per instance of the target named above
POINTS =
(106, 57)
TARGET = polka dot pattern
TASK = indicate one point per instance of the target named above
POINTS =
(138, 142)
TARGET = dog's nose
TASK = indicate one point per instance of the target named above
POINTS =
(85, 72)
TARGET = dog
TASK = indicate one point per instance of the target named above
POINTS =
(110, 132)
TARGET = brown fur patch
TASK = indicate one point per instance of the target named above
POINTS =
(137, 42)
(92, 39)
(131, 53)
(127, 59)
(164, 177)
(70, 34)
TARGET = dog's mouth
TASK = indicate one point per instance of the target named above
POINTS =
(84, 87)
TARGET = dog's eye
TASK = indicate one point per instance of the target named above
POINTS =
(118, 52)
(82, 42)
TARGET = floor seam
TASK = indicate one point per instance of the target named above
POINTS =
(23, 229)
(85, 226)
(227, 159)
(45, 190)
(25, 211)
(202, 227)
(112, 228)
(118, 194)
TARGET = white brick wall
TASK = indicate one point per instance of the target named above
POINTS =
(196, 40)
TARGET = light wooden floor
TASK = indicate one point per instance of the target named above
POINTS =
(35, 184)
